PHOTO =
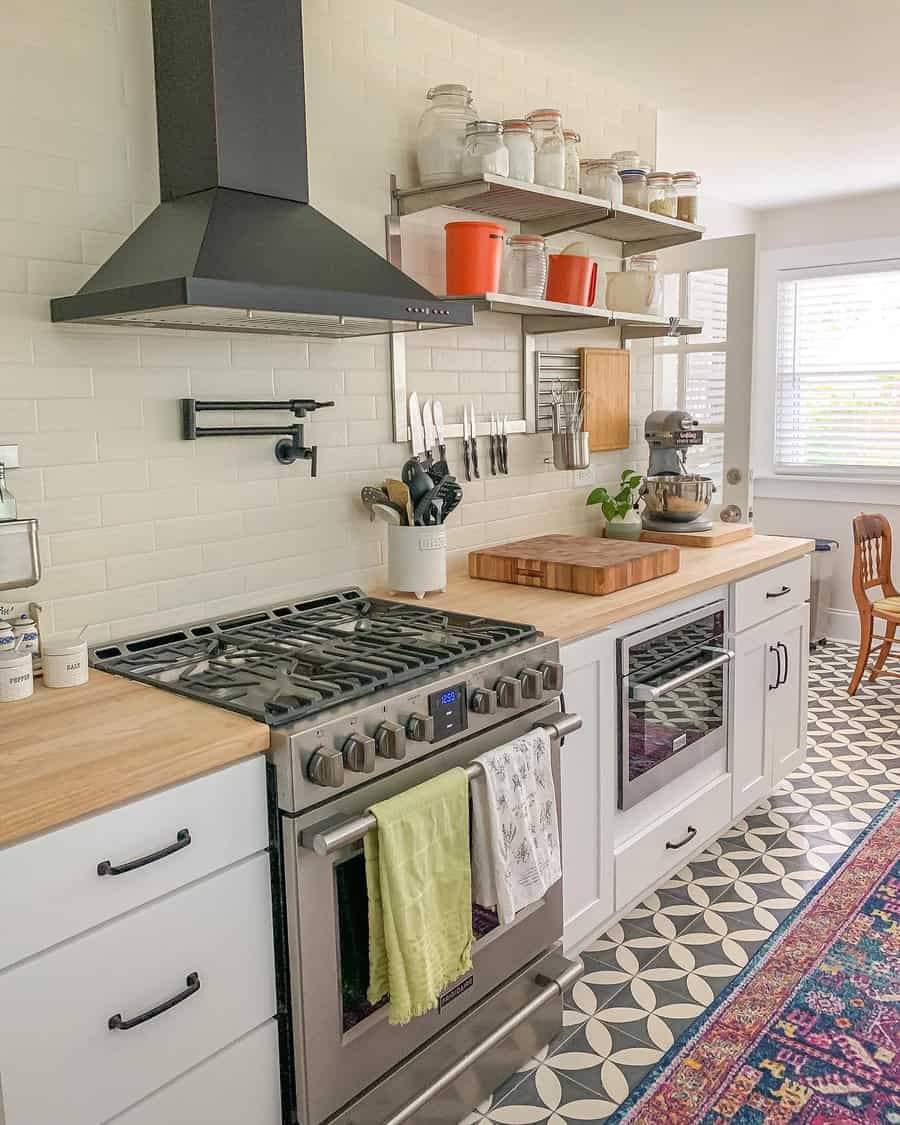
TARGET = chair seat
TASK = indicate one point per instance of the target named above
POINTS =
(888, 609)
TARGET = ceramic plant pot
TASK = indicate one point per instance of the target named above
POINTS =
(628, 528)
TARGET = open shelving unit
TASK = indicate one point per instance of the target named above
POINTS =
(541, 318)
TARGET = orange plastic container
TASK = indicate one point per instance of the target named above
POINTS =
(474, 257)
(572, 279)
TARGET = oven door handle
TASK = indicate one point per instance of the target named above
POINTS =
(332, 835)
(644, 693)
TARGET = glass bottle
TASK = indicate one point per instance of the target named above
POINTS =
(484, 150)
(519, 140)
(549, 148)
(441, 133)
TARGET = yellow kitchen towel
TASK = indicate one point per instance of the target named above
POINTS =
(419, 882)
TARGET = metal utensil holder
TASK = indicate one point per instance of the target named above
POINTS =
(571, 450)
(20, 560)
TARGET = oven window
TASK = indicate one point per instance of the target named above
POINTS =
(668, 649)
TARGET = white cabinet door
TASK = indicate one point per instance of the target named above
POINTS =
(786, 705)
(588, 789)
(752, 677)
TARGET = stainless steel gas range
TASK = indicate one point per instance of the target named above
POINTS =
(366, 698)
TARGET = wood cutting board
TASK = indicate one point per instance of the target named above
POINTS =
(578, 564)
(606, 382)
(718, 535)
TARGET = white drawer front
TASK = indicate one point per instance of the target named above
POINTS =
(642, 862)
(51, 888)
(238, 1086)
(59, 1059)
(762, 596)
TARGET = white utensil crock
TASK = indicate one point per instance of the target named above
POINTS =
(65, 663)
(417, 559)
(16, 676)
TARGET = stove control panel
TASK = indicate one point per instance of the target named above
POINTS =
(448, 711)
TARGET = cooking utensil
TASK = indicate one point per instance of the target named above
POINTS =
(452, 501)
(416, 427)
(467, 444)
(440, 468)
(418, 481)
(371, 495)
(677, 499)
(423, 510)
(389, 513)
(493, 440)
(474, 441)
(399, 494)
(504, 445)
(430, 432)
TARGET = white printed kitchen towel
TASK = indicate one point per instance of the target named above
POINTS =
(515, 830)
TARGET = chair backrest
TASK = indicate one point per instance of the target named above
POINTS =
(871, 557)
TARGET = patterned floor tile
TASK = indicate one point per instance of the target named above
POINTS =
(552, 1098)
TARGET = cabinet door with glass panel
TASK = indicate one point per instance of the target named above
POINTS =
(709, 373)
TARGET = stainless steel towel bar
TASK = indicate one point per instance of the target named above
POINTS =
(325, 838)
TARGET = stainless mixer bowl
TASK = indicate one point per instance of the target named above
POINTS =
(677, 499)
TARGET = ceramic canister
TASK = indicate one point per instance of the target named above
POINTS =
(7, 637)
(65, 663)
(16, 677)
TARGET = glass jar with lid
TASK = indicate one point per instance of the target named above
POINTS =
(525, 266)
(484, 149)
(631, 158)
(661, 194)
(573, 160)
(519, 140)
(441, 133)
(601, 179)
(634, 187)
(686, 196)
(637, 289)
(549, 148)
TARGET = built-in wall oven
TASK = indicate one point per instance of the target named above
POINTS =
(673, 699)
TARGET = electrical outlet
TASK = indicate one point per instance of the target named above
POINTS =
(585, 476)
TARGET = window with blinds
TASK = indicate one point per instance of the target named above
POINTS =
(838, 370)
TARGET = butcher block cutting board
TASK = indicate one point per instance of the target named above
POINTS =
(718, 535)
(579, 564)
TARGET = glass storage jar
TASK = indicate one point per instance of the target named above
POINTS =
(661, 194)
(601, 179)
(630, 158)
(573, 160)
(441, 133)
(519, 141)
(634, 187)
(637, 289)
(686, 196)
(484, 149)
(549, 148)
(525, 266)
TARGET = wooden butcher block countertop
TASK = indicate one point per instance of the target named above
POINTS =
(571, 616)
(69, 752)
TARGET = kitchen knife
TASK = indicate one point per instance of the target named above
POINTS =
(504, 446)
(416, 429)
(467, 456)
(430, 432)
(438, 415)
(474, 441)
(492, 448)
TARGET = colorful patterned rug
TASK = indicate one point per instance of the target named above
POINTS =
(809, 1033)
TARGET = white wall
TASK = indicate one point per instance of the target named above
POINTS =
(139, 528)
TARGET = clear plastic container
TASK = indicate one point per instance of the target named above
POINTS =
(636, 289)
(573, 160)
(549, 148)
(484, 149)
(525, 266)
(601, 179)
(686, 196)
(519, 140)
(441, 133)
(661, 194)
(634, 187)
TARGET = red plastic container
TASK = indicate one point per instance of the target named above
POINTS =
(474, 257)
(572, 279)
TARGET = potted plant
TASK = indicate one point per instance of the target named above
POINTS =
(620, 510)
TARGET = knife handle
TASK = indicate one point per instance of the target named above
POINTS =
(504, 455)
(475, 457)
(466, 459)
(492, 449)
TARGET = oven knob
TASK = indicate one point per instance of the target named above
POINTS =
(390, 741)
(552, 673)
(359, 753)
(420, 728)
(532, 682)
(483, 701)
(509, 691)
(326, 767)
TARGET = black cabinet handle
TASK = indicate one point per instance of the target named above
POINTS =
(787, 663)
(776, 648)
(106, 867)
(780, 593)
(691, 833)
(116, 1023)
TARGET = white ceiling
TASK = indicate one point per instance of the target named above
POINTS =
(772, 101)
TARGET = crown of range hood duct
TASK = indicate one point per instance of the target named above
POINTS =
(235, 244)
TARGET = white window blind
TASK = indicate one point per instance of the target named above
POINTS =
(838, 371)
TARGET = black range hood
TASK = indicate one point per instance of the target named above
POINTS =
(235, 244)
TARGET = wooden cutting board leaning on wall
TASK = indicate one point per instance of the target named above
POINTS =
(578, 564)
(606, 381)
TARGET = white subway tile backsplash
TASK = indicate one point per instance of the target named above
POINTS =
(193, 530)
(18, 417)
(85, 347)
(44, 382)
(101, 543)
(92, 480)
(88, 414)
(175, 349)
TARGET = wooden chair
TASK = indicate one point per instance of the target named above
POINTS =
(872, 567)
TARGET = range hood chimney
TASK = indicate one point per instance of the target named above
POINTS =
(235, 244)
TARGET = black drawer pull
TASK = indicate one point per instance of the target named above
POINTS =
(780, 593)
(776, 648)
(106, 867)
(691, 833)
(116, 1023)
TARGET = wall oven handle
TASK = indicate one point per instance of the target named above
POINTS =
(323, 839)
(644, 693)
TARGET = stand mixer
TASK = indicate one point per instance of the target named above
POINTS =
(674, 499)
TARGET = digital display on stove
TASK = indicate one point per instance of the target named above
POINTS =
(448, 709)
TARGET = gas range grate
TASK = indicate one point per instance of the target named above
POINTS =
(289, 662)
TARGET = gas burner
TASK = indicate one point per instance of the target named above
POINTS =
(292, 661)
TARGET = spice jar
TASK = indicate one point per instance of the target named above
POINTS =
(525, 266)
(519, 141)
(16, 676)
(661, 194)
(549, 148)
(573, 160)
(686, 184)
(484, 149)
(441, 133)
(634, 187)
(601, 179)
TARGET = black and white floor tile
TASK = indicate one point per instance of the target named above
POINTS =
(654, 972)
